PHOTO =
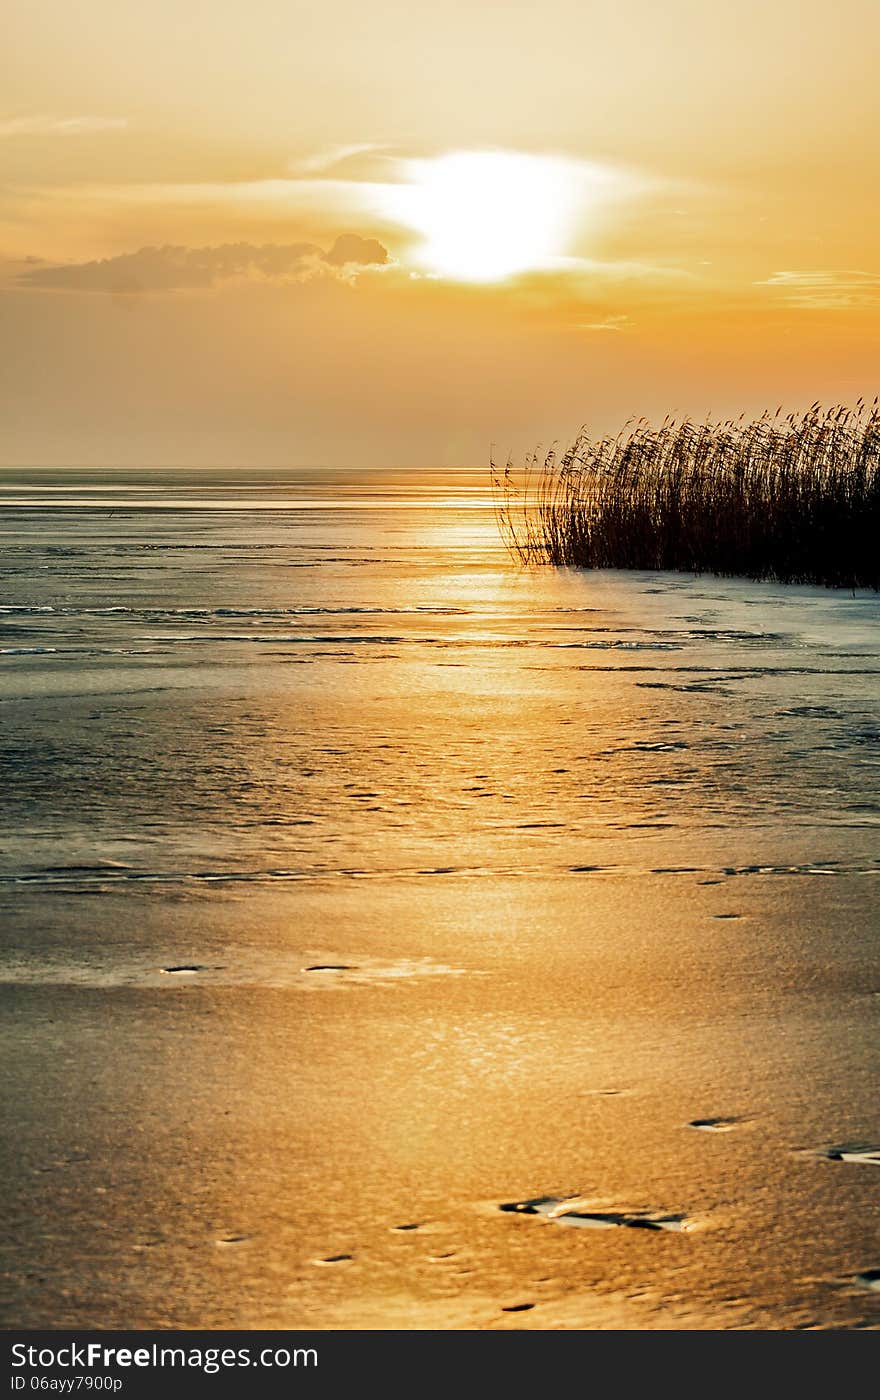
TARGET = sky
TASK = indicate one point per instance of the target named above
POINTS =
(395, 234)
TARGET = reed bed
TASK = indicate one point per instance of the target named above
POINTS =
(794, 499)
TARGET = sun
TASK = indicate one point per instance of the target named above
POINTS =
(485, 216)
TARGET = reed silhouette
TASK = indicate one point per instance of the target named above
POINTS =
(794, 499)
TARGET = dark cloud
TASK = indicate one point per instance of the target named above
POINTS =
(352, 250)
(176, 268)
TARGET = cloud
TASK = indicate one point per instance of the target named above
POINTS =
(445, 207)
(608, 323)
(589, 270)
(826, 290)
(60, 126)
(352, 250)
(323, 161)
(175, 267)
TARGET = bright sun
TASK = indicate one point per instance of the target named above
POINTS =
(489, 215)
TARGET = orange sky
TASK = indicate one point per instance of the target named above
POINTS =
(392, 234)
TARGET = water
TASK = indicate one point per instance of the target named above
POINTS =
(259, 681)
(480, 883)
